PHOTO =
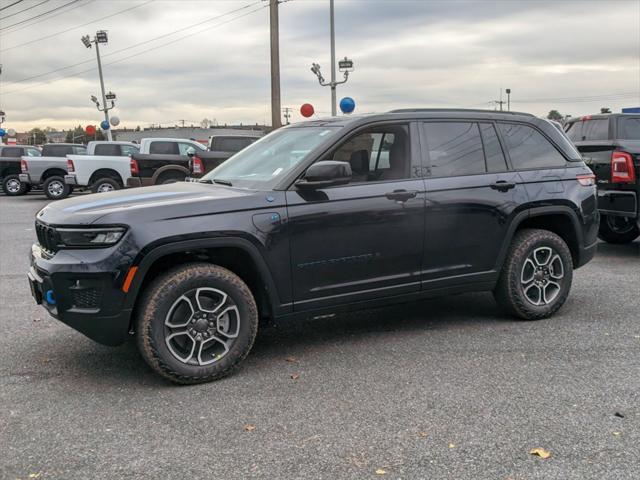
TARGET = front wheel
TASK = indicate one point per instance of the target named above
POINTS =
(615, 229)
(536, 275)
(196, 323)
(12, 186)
(55, 188)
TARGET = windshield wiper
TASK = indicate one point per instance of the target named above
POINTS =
(205, 180)
(223, 182)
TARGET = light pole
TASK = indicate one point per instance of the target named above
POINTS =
(101, 37)
(508, 99)
(345, 65)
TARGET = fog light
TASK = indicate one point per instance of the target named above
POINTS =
(49, 297)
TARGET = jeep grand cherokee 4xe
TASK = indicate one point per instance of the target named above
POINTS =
(321, 217)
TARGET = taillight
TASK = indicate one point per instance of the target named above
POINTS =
(622, 170)
(23, 166)
(197, 166)
(134, 167)
(587, 180)
(70, 167)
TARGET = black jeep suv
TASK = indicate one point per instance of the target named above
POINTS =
(317, 218)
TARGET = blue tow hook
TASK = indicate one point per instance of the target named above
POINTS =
(49, 297)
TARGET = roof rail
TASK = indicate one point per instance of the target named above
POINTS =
(477, 110)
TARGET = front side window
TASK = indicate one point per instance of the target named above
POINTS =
(128, 150)
(378, 154)
(265, 162)
(184, 148)
(79, 150)
(528, 148)
(455, 148)
(32, 152)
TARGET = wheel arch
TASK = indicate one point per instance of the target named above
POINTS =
(236, 254)
(168, 169)
(52, 172)
(559, 219)
(106, 172)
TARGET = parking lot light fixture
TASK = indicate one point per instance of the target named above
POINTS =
(101, 37)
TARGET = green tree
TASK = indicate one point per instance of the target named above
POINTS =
(555, 115)
(37, 136)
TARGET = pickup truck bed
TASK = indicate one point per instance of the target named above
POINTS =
(48, 171)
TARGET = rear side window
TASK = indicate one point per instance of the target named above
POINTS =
(57, 150)
(164, 148)
(12, 152)
(594, 129)
(629, 128)
(455, 148)
(230, 144)
(492, 149)
(107, 149)
(529, 149)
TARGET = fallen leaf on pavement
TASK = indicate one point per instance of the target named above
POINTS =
(619, 415)
(295, 376)
(291, 359)
(540, 452)
(423, 434)
(452, 445)
(381, 471)
(617, 434)
(249, 428)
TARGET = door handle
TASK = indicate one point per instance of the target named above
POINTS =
(502, 185)
(401, 195)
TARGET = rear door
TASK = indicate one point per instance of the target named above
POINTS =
(470, 197)
(362, 240)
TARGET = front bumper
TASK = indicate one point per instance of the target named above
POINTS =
(83, 291)
(70, 180)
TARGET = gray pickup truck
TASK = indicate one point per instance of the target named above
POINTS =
(48, 171)
(10, 157)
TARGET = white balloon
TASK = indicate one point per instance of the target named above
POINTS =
(115, 121)
(11, 132)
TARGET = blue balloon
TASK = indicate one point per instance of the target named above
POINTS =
(2, 132)
(104, 125)
(347, 105)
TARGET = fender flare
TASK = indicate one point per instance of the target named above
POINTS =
(168, 168)
(538, 212)
(149, 257)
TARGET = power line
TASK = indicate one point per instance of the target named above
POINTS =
(77, 26)
(40, 14)
(73, 7)
(9, 6)
(24, 10)
(137, 44)
(138, 53)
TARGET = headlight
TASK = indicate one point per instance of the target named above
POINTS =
(89, 237)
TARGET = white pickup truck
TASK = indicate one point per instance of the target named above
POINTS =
(104, 168)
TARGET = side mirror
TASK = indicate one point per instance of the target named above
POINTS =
(191, 151)
(326, 173)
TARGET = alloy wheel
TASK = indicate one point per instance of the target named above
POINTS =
(55, 188)
(541, 276)
(201, 326)
(104, 187)
(13, 185)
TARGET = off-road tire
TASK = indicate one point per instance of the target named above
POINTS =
(154, 306)
(509, 291)
(609, 235)
(65, 190)
(97, 186)
(11, 192)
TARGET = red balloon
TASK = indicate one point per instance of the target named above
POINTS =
(90, 129)
(306, 110)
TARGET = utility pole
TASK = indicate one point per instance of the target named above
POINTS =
(101, 37)
(334, 110)
(508, 99)
(275, 64)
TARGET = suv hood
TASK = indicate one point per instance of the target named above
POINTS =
(176, 200)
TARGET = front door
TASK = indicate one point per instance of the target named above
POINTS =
(362, 240)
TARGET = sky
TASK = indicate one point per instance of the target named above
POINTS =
(173, 60)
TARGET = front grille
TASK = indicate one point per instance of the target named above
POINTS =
(86, 297)
(47, 237)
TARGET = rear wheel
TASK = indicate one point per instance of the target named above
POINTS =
(55, 188)
(615, 229)
(536, 275)
(12, 186)
(106, 184)
(196, 323)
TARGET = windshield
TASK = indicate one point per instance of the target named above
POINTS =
(263, 163)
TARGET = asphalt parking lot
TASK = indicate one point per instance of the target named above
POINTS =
(448, 388)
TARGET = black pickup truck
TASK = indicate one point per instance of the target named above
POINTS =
(221, 148)
(10, 168)
(610, 146)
